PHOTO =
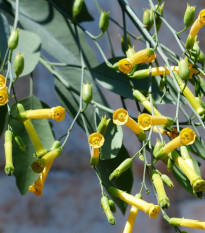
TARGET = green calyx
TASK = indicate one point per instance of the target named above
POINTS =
(170, 122)
(9, 169)
(126, 164)
(189, 15)
(158, 150)
(13, 39)
(190, 42)
(114, 191)
(164, 202)
(102, 127)
(18, 64)
(184, 71)
(175, 221)
(198, 184)
(87, 93)
(142, 136)
(94, 161)
(104, 21)
(167, 181)
(20, 143)
(148, 18)
(139, 74)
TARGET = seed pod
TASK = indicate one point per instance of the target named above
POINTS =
(77, 7)
(9, 168)
(112, 205)
(20, 143)
(102, 127)
(148, 18)
(18, 64)
(104, 21)
(184, 71)
(167, 181)
(87, 93)
(189, 15)
(126, 164)
(13, 39)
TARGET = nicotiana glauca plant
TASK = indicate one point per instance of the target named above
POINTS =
(149, 76)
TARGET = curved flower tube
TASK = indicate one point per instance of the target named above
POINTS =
(121, 117)
(149, 208)
(199, 22)
(95, 140)
(145, 55)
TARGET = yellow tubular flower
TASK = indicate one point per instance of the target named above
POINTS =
(9, 168)
(4, 97)
(197, 183)
(56, 113)
(199, 22)
(2, 81)
(187, 223)
(95, 140)
(186, 137)
(149, 208)
(146, 121)
(131, 218)
(37, 186)
(145, 55)
(121, 117)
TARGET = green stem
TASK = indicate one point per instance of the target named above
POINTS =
(183, 30)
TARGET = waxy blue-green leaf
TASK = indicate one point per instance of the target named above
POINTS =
(22, 160)
(3, 114)
(198, 148)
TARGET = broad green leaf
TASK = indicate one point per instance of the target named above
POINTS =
(65, 7)
(69, 98)
(124, 182)
(3, 114)
(22, 160)
(30, 45)
(119, 83)
(198, 148)
(58, 41)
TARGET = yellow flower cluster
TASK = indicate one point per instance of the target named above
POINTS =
(4, 97)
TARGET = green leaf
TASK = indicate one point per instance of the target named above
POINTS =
(3, 114)
(22, 160)
(5, 32)
(119, 83)
(69, 98)
(58, 41)
(198, 148)
(30, 45)
(65, 7)
(124, 182)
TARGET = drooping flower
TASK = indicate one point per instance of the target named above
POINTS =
(4, 97)
(199, 22)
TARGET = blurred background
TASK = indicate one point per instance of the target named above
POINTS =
(71, 196)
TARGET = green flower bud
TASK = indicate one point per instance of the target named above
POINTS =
(170, 165)
(167, 181)
(13, 39)
(190, 42)
(157, 150)
(184, 71)
(148, 18)
(9, 168)
(102, 127)
(104, 21)
(18, 64)
(123, 45)
(112, 205)
(189, 15)
(20, 143)
(105, 205)
(141, 157)
(77, 7)
(87, 93)
(126, 164)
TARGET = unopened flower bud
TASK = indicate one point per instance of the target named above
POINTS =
(77, 7)
(167, 181)
(184, 71)
(106, 207)
(148, 18)
(104, 21)
(87, 93)
(189, 15)
(102, 127)
(18, 64)
(13, 39)
(9, 168)
(190, 42)
(126, 164)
